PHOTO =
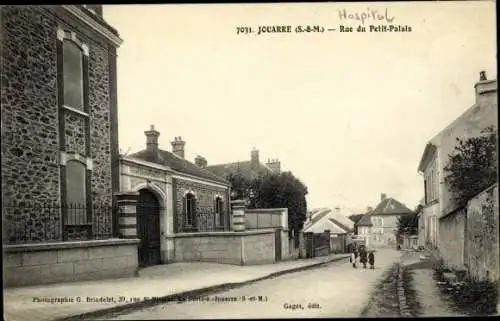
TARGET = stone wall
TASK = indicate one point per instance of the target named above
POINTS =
(259, 248)
(69, 261)
(482, 246)
(241, 248)
(205, 204)
(451, 239)
(31, 140)
(30, 145)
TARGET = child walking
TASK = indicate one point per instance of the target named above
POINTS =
(371, 260)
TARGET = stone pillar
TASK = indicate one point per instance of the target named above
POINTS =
(238, 214)
(127, 214)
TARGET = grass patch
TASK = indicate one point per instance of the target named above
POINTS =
(384, 299)
(470, 297)
(410, 293)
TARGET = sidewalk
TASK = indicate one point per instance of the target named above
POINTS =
(432, 302)
(20, 304)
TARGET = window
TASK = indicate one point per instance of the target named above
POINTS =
(426, 195)
(73, 75)
(219, 210)
(76, 193)
(190, 209)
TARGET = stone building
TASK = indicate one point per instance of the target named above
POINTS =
(445, 223)
(249, 169)
(59, 144)
(379, 226)
(176, 196)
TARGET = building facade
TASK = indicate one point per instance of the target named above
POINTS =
(59, 135)
(438, 197)
(176, 196)
(379, 227)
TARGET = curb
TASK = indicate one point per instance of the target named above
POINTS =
(404, 310)
(181, 296)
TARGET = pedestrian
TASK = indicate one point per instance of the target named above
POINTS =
(353, 258)
(363, 256)
(371, 259)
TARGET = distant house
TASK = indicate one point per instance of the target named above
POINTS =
(250, 169)
(340, 227)
(379, 226)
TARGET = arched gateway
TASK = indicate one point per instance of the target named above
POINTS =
(148, 228)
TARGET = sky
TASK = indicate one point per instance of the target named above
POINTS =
(349, 114)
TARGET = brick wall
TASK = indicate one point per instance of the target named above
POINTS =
(482, 247)
(205, 204)
(30, 124)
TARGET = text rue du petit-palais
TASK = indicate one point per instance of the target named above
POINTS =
(370, 20)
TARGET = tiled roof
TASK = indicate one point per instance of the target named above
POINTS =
(177, 163)
(244, 168)
(390, 206)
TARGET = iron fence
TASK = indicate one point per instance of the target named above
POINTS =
(206, 220)
(35, 223)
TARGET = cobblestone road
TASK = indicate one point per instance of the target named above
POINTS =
(335, 290)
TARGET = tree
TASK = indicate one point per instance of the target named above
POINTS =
(407, 224)
(473, 166)
(355, 218)
(273, 191)
(286, 191)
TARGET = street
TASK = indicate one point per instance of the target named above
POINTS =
(335, 290)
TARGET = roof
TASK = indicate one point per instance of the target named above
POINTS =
(244, 168)
(390, 206)
(365, 220)
(331, 224)
(429, 151)
(177, 163)
(341, 222)
(342, 226)
(316, 218)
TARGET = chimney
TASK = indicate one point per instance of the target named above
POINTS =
(369, 209)
(485, 89)
(254, 160)
(152, 139)
(274, 165)
(200, 161)
(382, 197)
(178, 146)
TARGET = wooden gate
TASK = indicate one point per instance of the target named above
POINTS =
(277, 244)
(148, 229)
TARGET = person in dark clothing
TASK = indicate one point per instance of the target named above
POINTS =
(354, 258)
(363, 256)
(371, 259)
